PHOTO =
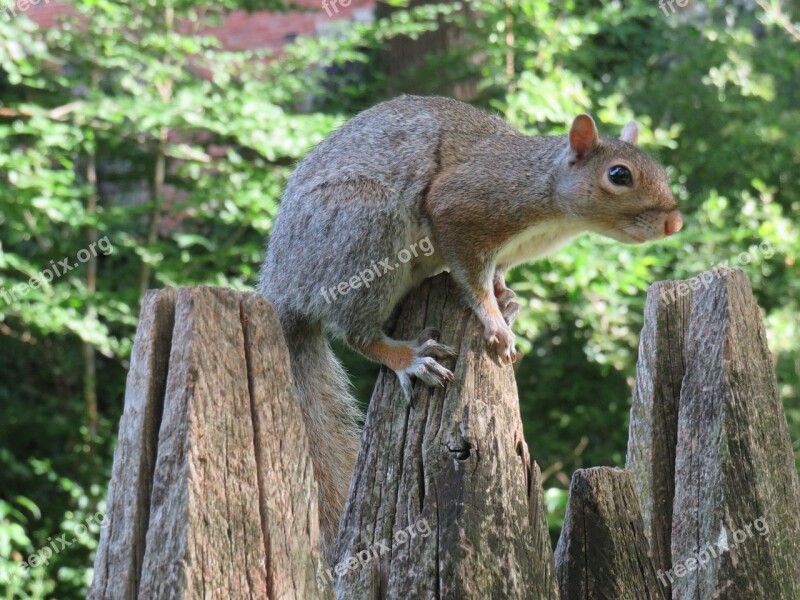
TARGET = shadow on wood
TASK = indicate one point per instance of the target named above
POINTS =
(603, 552)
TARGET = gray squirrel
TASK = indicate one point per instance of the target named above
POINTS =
(483, 195)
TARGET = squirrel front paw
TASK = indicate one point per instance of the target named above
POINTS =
(500, 339)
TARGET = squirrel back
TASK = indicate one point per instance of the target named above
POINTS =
(401, 144)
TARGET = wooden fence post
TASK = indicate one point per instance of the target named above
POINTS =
(709, 445)
(453, 470)
(231, 511)
(710, 457)
(735, 475)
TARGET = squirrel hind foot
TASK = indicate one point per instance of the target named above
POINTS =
(427, 370)
(435, 349)
(409, 360)
(424, 365)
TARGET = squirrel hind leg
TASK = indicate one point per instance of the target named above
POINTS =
(410, 359)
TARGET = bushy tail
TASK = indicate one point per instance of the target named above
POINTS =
(331, 418)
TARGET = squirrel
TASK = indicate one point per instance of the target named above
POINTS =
(485, 196)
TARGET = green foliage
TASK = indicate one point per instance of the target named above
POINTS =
(127, 88)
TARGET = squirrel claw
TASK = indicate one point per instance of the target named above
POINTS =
(434, 348)
(427, 370)
(510, 356)
(431, 373)
(505, 357)
(427, 334)
(501, 342)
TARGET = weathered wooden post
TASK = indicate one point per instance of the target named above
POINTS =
(713, 443)
(206, 499)
(454, 464)
(734, 472)
(603, 551)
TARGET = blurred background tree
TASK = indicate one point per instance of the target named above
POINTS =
(134, 122)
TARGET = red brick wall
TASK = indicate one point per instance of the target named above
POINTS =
(243, 31)
(46, 13)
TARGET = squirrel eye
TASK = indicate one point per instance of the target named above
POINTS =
(619, 175)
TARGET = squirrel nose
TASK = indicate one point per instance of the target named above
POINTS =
(673, 223)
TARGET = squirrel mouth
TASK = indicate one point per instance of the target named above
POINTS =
(628, 237)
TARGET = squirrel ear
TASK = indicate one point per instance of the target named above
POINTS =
(582, 135)
(631, 133)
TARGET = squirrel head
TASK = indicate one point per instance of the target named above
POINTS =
(617, 189)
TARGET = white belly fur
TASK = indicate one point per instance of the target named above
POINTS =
(538, 241)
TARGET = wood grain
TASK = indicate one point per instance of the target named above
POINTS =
(734, 460)
(120, 553)
(455, 458)
(213, 494)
